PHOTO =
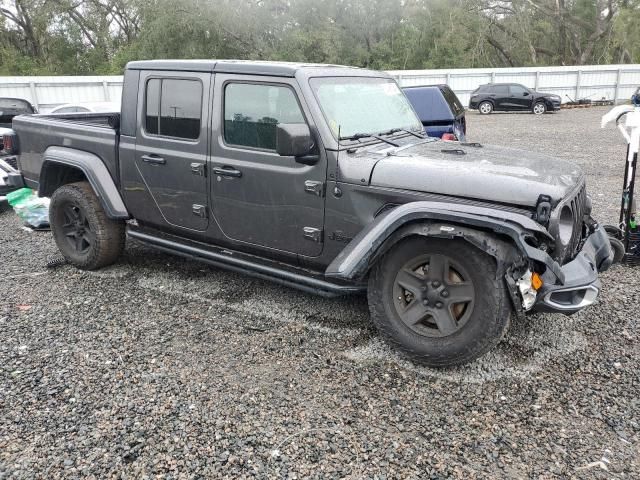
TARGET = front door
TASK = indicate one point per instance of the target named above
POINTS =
(520, 97)
(259, 197)
(172, 145)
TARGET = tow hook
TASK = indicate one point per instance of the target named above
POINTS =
(528, 285)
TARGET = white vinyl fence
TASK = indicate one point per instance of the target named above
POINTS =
(49, 92)
(596, 82)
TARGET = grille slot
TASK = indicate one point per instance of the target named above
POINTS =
(577, 204)
(13, 161)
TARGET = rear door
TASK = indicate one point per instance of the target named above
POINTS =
(259, 197)
(172, 144)
(501, 97)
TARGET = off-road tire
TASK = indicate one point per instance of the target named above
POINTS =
(485, 108)
(618, 249)
(485, 327)
(107, 236)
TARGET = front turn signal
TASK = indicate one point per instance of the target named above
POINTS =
(536, 281)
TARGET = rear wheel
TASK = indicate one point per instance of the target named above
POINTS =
(438, 301)
(539, 108)
(485, 108)
(85, 236)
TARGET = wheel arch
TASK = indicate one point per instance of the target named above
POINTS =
(62, 165)
(487, 100)
(503, 235)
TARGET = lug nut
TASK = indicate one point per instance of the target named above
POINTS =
(436, 284)
(438, 304)
(425, 302)
(445, 294)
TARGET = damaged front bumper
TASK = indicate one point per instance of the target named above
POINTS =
(578, 285)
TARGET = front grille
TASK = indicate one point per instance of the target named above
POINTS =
(577, 202)
(13, 161)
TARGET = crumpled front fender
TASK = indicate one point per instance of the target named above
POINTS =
(355, 260)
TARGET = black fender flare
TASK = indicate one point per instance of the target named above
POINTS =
(93, 169)
(445, 220)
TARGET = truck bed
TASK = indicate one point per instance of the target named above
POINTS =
(96, 133)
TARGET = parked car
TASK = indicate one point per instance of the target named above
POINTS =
(87, 107)
(11, 107)
(439, 110)
(319, 178)
(512, 97)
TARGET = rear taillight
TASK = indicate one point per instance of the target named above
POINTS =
(449, 137)
(8, 144)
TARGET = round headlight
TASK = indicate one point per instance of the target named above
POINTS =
(565, 225)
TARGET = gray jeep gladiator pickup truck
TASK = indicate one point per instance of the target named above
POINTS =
(318, 177)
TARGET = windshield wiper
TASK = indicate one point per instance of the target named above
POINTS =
(358, 136)
(396, 130)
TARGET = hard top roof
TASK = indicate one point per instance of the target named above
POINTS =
(249, 67)
(435, 85)
(501, 83)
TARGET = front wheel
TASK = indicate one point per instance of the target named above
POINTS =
(539, 108)
(485, 108)
(85, 236)
(438, 301)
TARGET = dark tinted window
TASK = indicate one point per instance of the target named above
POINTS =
(173, 108)
(152, 119)
(500, 89)
(252, 111)
(452, 100)
(518, 90)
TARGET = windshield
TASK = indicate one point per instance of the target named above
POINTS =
(361, 105)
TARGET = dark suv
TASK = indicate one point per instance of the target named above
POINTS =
(439, 110)
(319, 177)
(512, 97)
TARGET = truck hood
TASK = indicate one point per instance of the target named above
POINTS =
(491, 173)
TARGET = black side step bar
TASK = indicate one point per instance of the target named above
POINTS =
(298, 281)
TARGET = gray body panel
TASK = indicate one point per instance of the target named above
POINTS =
(489, 173)
(353, 262)
(37, 133)
(94, 170)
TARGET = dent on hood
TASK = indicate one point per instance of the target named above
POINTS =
(490, 173)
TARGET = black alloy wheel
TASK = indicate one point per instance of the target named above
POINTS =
(434, 295)
(77, 229)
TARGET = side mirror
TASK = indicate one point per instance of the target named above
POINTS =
(294, 140)
(526, 94)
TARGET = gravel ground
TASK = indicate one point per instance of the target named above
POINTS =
(162, 367)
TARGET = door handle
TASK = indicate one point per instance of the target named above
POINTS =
(227, 172)
(153, 159)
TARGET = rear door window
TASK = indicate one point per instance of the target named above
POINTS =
(500, 89)
(173, 108)
(252, 111)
